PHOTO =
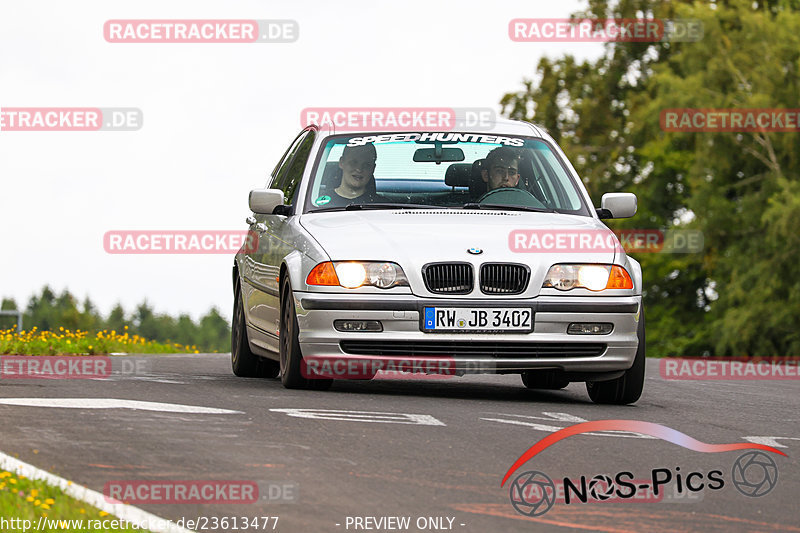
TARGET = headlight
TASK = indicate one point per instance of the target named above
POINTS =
(354, 274)
(351, 275)
(592, 277)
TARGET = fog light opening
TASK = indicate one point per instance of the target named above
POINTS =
(356, 326)
(590, 328)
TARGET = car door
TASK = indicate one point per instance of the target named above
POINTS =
(273, 243)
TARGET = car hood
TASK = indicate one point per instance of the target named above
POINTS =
(413, 238)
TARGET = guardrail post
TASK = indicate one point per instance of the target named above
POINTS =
(10, 312)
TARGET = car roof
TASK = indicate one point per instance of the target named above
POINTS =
(496, 126)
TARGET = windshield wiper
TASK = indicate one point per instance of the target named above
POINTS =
(356, 207)
(352, 207)
(475, 205)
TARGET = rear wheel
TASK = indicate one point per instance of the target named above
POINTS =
(627, 388)
(291, 356)
(243, 361)
(544, 379)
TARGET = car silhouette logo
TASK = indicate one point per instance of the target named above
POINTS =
(475, 251)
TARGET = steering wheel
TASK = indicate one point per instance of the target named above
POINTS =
(511, 196)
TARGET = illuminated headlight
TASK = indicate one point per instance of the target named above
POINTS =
(592, 277)
(353, 274)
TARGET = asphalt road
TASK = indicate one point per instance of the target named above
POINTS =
(446, 461)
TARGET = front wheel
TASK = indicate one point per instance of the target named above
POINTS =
(244, 362)
(628, 387)
(291, 356)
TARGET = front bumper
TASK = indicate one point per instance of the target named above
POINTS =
(548, 346)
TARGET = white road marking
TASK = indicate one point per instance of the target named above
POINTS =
(550, 417)
(112, 403)
(564, 417)
(770, 441)
(362, 416)
(534, 425)
(143, 519)
(140, 378)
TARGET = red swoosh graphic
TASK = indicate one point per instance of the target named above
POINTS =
(637, 426)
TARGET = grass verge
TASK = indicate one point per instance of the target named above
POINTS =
(23, 499)
(66, 342)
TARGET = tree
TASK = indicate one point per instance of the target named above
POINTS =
(50, 312)
(741, 190)
(8, 304)
(116, 319)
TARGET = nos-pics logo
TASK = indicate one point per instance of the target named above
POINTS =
(533, 493)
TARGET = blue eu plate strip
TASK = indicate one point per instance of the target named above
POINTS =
(430, 317)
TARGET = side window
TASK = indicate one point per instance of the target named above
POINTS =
(290, 170)
(283, 165)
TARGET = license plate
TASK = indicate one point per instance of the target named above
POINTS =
(468, 319)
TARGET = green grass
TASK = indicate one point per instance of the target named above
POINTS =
(26, 499)
(66, 342)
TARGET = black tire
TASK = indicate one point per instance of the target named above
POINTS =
(627, 388)
(244, 362)
(543, 379)
(291, 356)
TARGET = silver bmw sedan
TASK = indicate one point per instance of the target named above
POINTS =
(425, 253)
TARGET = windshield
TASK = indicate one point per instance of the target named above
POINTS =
(441, 170)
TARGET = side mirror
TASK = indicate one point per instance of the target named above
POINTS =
(264, 201)
(617, 205)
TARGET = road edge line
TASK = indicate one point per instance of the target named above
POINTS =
(122, 511)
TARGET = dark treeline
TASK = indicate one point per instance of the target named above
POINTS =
(50, 311)
(742, 190)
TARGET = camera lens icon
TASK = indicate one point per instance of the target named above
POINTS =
(754, 474)
(601, 487)
(532, 493)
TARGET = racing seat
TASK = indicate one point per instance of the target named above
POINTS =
(477, 187)
(458, 175)
(527, 179)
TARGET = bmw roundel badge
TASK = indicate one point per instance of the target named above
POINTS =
(475, 251)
